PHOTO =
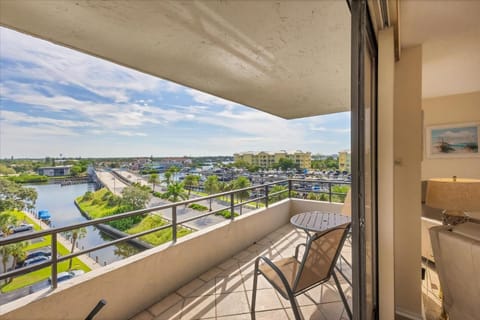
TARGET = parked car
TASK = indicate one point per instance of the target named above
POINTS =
(46, 252)
(21, 228)
(67, 275)
(35, 260)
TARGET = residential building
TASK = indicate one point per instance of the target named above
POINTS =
(54, 171)
(398, 66)
(266, 159)
(344, 161)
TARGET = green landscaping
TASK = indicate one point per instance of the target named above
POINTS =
(198, 207)
(42, 274)
(99, 204)
(103, 203)
(159, 237)
(28, 178)
(226, 214)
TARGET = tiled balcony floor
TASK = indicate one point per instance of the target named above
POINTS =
(225, 291)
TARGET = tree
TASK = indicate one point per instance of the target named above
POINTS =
(240, 183)
(153, 179)
(5, 253)
(168, 178)
(135, 198)
(211, 186)
(175, 191)
(13, 196)
(6, 170)
(191, 181)
(278, 197)
(286, 164)
(17, 251)
(75, 235)
(6, 220)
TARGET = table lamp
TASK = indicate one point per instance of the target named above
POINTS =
(456, 197)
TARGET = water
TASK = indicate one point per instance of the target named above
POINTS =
(58, 201)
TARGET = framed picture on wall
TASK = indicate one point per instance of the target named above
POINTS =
(459, 140)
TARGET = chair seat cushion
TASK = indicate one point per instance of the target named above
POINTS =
(288, 266)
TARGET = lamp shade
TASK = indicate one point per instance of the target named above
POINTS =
(454, 194)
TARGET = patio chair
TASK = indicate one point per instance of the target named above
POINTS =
(292, 277)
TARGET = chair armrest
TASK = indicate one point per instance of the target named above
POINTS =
(298, 248)
(277, 271)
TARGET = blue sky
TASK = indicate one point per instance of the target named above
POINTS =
(54, 101)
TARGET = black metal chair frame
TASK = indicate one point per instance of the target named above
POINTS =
(290, 291)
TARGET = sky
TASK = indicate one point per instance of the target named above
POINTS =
(55, 101)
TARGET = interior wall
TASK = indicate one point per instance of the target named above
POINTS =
(407, 182)
(386, 73)
(460, 108)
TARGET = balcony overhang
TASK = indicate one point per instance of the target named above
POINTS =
(290, 59)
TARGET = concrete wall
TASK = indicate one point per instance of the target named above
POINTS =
(407, 182)
(460, 108)
(386, 79)
(133, 284)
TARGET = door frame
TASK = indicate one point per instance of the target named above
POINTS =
(362, 35)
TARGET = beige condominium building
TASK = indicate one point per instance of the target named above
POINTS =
(344, 161)
(266, 159)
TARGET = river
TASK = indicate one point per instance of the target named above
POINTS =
(58, 200)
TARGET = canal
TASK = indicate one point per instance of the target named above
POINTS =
(58, 200)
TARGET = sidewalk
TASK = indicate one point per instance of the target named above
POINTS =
(67, 244)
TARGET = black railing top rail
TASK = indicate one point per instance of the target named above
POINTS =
(54, 231)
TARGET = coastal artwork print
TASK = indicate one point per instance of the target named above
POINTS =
(453, 141)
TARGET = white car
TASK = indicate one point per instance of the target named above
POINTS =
(67, 275)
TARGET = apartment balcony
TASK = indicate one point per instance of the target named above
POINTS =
(205, 275)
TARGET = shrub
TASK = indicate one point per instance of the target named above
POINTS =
(199, 207)
(226, 214)
(87, 196)
(126, 223)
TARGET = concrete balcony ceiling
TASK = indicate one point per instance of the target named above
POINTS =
(291, 59)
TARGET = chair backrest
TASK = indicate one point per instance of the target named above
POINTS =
(321, 254)
(347, 204)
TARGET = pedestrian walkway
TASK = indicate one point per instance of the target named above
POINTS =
(67, 244)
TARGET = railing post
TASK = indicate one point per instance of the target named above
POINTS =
(174, 223)
(54, 260)
(232, 206)
(289, 188)
(266, 196)
(329, 192)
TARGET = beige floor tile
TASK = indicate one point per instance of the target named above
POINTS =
(243, 316)
(245, 256)
(333, 310)
(228, 264)
(267, 299)
(144, 315)
(210, 274)
(262, 283)
(280, 314)
(207, 288)
(229, 284)
(202, 307)
(190, 287)
(313, 313)
(165, 304)
(231, 304)
(172, 313)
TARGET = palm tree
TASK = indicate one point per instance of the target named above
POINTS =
(7, 220)
(17, 251)
(76, 234)
(153, 179)
(5, 253)
(240, 183)
(168, 178)
(175, 191)
(191, 181)
(211, 186)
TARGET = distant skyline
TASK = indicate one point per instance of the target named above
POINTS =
(54, 100)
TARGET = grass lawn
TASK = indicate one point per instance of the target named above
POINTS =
(42, 274)
(98, 206)
(159, 237)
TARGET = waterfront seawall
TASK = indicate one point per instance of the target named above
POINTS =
(115, 232)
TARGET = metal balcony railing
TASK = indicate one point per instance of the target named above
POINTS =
(293, 188)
